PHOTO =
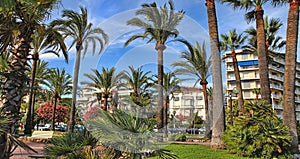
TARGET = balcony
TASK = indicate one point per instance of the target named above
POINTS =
(280, 69)
(276, 77)
(276, 87)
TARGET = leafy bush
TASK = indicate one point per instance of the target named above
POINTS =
(70, 145)
(176, 137)
(258, 133)
(180, 137)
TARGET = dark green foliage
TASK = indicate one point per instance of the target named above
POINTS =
(71, 145)
(258, 133)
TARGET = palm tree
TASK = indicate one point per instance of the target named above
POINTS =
(159, 26)
(41, 73)
(234, 41)
(197, 65)
(256, 91)
(19, 20)
(138, 81)
(77, 27)
(289, 115)
(256, 13)
(105, 81)
(171, 84)
(218, 99)
(45, 40)
(273, 42)
(59, 83)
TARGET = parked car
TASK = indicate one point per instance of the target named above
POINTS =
(42, 127)
(175, 130)
(79, 128)
(193, 131)
(62, 128)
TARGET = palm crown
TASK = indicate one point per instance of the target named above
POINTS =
(161, 23)
(77, 26)
(197, 63)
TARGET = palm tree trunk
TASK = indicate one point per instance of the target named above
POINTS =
(262, 56)
(105, 102)
(238, 81)
(167, 101)
(160, 114)
(53, 113)
(32, 110)
(218, 102)
(289, 115)
(28, 125)
(74, 90)
(14, 86)
(204, 83)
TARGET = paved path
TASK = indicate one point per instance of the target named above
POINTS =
(20, 153)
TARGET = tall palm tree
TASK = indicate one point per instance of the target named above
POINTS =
(289, 115)
(19, 20)
(273, 41)
(59, 83)
(234, 41)
(255, 12)
(171, 84)
(45, 40)
(105, 81)
(41, 73)
(76, 26)
(159, 25)
(196, 64)
(139, 82)
(218, 99)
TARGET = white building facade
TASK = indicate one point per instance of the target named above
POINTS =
(249, 73)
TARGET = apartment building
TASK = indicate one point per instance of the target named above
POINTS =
(249, 72)
(187, 102)
(183, 103)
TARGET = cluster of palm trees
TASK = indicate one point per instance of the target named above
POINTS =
(24, 36)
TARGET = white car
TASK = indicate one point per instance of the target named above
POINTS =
(42, 127)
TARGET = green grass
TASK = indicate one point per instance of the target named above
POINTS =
(199, 152)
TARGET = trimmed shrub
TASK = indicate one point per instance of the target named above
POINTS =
(258, 133)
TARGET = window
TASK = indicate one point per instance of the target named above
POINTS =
(245, 56)
(246, 75)
(247, 94)
(199, 97)
(176, 98)
(231, 76)
(246, 84)
(188, 102)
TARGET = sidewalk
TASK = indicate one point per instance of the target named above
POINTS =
(20, 153)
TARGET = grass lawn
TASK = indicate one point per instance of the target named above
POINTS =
(199, 152)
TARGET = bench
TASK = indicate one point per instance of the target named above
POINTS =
(41, 136)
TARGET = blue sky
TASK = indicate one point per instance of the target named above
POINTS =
(111, 16)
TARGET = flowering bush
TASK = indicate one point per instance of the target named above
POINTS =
(45, 112)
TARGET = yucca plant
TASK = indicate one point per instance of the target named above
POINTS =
(258, 133)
